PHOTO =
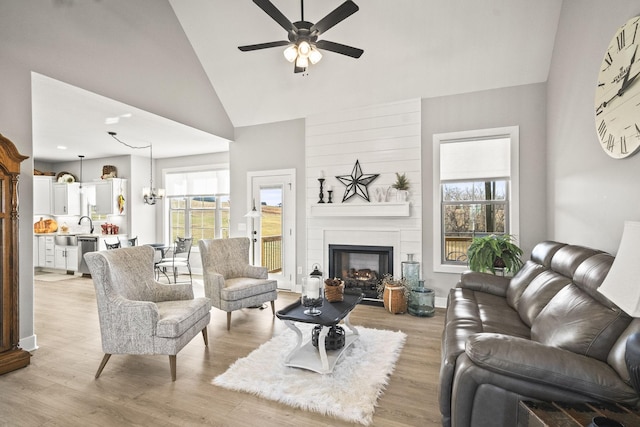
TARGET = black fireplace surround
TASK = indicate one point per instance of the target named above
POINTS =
(361, 267)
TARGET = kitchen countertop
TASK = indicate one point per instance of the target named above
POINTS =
(80, 234)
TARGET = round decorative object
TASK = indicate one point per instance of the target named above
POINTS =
(65, 177)
(394, 300)
(617, 100)
(334, 340)
(421, 301)
(109, 171)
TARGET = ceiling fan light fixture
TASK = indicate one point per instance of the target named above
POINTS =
(302, 62)
(291, 53)
(315, 56)
(304, 48)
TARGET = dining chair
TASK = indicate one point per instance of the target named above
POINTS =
(179, 258)
(133, 241)
(115, 245)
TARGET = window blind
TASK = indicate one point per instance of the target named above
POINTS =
(475, 159)
(197, 183)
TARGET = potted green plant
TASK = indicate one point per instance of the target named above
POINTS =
(402, 187)
(494, 251)
(402, 182)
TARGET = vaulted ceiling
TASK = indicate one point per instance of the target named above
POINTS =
(412, 49)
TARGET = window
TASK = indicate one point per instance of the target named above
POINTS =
(475, 190)
(198, 204)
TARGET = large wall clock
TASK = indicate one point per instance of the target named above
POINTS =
(617, 102)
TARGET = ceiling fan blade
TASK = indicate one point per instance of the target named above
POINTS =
(263, 45)
(275, 14)
(342, 49)
(339, 14)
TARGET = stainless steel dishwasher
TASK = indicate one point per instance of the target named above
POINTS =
(86, 244)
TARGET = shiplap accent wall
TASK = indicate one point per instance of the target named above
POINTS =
(385, 139)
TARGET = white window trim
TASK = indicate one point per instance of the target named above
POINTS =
(165, 207)
(512, 132)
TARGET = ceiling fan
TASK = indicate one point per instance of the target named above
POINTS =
(303, 35)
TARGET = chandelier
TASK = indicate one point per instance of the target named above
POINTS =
(150, 194)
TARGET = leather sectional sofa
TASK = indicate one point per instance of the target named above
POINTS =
(545, 334)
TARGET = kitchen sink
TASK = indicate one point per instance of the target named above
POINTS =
(66, 240)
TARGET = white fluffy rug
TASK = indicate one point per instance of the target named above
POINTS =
(349, 393)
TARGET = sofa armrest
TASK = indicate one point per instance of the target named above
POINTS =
(484, 282)
(531, 361)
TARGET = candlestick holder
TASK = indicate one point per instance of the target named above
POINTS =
(330, 193)
(321, 180)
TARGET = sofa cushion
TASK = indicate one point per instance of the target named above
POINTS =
(543, 252)
(542, 288)
(521, 281)
(567, 259)
(473, 311)
(176, 317)
(591, 273)
(618, 351)
(245, 287)
(534, 362)
(576, 322)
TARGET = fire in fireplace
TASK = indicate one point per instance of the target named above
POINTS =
(361, 267)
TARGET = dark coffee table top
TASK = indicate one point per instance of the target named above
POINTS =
(332, 312)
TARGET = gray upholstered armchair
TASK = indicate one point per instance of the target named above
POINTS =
(229, 280)
(139, 315)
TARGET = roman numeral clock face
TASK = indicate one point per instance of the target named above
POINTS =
(617, 101)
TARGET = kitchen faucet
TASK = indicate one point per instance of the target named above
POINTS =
(90, 222)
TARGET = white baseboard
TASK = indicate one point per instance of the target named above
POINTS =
(441, 302)
(29, 343)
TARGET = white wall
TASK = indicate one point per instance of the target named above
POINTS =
(384, 139)
(590, 194)
(268, 147)
(523, 106)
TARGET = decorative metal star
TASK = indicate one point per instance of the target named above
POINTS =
(356, 183)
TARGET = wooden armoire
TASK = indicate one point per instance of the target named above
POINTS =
(11, 356)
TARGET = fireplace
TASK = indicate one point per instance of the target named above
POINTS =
(361, 267)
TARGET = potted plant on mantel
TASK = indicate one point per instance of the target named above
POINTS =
(402, 187)
(490, 252)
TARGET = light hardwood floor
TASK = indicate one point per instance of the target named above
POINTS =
(59, 389)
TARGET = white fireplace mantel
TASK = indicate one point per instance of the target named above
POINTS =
(361, 209)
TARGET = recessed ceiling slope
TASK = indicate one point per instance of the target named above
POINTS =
(79, 119)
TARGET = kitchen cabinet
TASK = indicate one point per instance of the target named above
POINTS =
(66, 258)
(46, 252)
(42, 194)
(66, 198)
(107, 196)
